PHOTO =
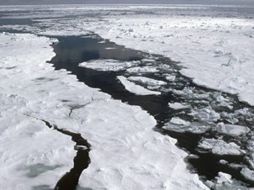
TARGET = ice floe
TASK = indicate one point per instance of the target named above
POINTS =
(225, 181)
(108, 65)
(181, 126)
(248, 174)
(206, 114)
(147, 81)
(231, 130)
(134, 88)
(178, 106)
(220, 147)
(144, 69)
(126, 153)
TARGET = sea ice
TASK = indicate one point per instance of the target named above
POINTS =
(216, 61)
(108, 65)
(147, 81)
(206, 114)
(231, 130)
(145, 69)
(134, 88)
(178, 106)
(248, 174)
(126, 153)
(181, 126)
(220, 147)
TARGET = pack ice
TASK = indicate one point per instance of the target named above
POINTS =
(126, 152)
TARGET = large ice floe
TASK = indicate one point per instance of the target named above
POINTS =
(125, 154)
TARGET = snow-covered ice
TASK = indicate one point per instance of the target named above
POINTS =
(136, 89)
(108, 65)
(126, 153)
(206, 114)
(220, 147)
(147, 81)
(232, 130)
(210, 48)
(144, 69)
(181, 126)
(248, 174)
(178, 106)
(179, 121)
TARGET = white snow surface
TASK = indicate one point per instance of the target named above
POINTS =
(126, 153)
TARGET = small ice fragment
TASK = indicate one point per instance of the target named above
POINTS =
(223, 178)
(80, 147)
(248, 174)
(179, 121)
(231, 130)
(178, 106)
(220, 147)
(134, 88)
(147, 81)
(146, 69)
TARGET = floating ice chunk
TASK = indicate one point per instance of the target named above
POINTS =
(222, 101)
(179, 121)
(80, 147)
(145, 69)
(110, 48)
(147, 81)
(148, 60)
(235, 166)
(108, 65)
(250, 158)
(170, 77)
(181, 126)
(224, 181)
(220, 147)
(223, 162)
(178, 106)
(206, 114)
(134, 88)
(228, 186)
(231, 130)
(223, 178)
(248, 174)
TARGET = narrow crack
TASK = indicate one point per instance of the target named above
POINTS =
(77, 106)
(81, 161)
